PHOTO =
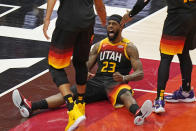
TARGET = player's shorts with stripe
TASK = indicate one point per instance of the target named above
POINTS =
(179, 33)
(104, 88)
(64, 44)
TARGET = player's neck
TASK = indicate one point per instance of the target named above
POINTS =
(117, 40)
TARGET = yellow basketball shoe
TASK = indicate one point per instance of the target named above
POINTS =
(81, 107)
(75, 118)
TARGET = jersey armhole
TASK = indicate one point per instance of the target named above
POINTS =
(125, 51)
(100, 45)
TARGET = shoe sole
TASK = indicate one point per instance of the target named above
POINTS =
(159, 110)
(17, 100)
(76, 124)
(146, 110)
(187, 100)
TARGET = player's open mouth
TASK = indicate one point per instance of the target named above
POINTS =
(111, 33)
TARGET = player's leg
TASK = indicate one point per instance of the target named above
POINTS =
(185, 93)
(186, 33)
(172, 43)
(95, 90)
(122, 95)
(80, 57)
(56, 65)
(27, 107)
(163, 76)
(59, 57)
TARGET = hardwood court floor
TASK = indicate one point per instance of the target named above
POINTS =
(23, 65)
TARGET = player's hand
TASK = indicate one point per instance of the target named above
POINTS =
(126, 18)
(118, 77)
(45, 28)
(90, 75)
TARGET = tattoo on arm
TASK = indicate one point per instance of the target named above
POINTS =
(93, 56)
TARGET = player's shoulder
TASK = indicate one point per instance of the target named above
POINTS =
(125, 40)
(97, 46)
(131, 47)
(128, 43)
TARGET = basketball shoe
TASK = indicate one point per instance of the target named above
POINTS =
(24, 105)
(181, 96)
(143, 112)
(158, 106)
(75, 118)
(81, 107)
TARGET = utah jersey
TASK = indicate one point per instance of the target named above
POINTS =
(113, 58)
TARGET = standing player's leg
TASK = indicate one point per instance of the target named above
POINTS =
(80, 57)
(59, 57)
(185, 93)
(163, 76)
(172, 43)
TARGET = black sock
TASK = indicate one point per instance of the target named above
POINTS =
(69, 101)
(133, 108)
(80, 98)
(186, 87)
(42, 104)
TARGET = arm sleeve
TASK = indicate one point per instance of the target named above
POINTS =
(140, 4)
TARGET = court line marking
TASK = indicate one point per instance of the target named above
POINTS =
(42, 73)
(10, 10)
(150, 91)
(23, 83)
(46, 71)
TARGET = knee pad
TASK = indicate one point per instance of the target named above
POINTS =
(59, 76)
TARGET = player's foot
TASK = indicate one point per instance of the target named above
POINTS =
(81, 107)
(143, 112)
(75, 118)
(158, 106)
(22, 103)
(181, 96)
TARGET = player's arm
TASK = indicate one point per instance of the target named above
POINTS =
(50, 6)
(138, 73)
(93, 56)
(100, 8)
(139, 5)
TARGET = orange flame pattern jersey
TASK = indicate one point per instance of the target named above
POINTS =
(59, 58)
(172, 45)
(114, 58)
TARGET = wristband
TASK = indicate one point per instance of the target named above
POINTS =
(124, 77)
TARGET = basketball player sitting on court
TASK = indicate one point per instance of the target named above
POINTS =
(115, 56)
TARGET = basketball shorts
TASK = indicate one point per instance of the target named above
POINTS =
(178, 34)
(65, 44)
(104, 88)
